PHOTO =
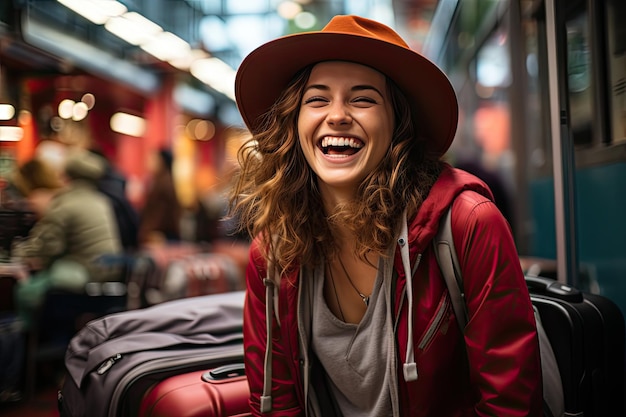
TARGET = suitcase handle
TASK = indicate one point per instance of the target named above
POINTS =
(553, 288)
(224, 372)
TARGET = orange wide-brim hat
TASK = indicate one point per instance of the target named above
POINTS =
(267, 71)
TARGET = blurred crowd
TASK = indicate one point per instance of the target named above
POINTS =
(74, 210)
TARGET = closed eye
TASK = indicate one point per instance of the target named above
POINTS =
(315, 99)
(365, 100)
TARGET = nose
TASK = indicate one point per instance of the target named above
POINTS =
(338, 114)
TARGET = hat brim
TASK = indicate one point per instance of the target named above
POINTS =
(267, 70)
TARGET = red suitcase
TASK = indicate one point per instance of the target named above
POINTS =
(220, 392)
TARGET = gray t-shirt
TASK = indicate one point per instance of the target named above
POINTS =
(358, 359)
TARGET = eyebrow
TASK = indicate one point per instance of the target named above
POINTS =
(363, 87)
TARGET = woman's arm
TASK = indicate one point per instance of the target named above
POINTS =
(501, 338)
(283, 386)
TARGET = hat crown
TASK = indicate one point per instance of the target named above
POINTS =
(359, 26)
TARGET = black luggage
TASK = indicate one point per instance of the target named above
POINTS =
(587, 334)
(586, 338)
(113, 361)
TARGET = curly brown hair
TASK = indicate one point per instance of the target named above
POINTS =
(276, 196)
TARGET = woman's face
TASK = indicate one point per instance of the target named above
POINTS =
(345, 123)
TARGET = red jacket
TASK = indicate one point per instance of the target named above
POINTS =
(502, 376)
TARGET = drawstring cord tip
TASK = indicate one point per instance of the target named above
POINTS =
(266, 404)
(410, 371)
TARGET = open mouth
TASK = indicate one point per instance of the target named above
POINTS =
(337, 145)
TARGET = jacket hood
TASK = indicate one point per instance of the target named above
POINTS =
(451, 183)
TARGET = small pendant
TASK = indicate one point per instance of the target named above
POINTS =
(365, 299)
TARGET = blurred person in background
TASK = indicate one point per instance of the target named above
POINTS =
(75, 228)
(113, 185)
(33, 177)
(160, 217)
(29, 187)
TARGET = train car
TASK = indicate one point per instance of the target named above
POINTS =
(542, 92)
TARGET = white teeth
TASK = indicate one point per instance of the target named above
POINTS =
(341, 141)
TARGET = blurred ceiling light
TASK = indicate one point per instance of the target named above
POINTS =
(217, 74)
(133, 28)
(166, 46)
(199, 129)
(7, 111)
(184, 62)
(11, 133)
(305, 20)
(25, 117)
(52, 152)
(127, 124)
(97, 11)
(89, 99)
(288, 9)
(66, 108)
(205, 130)
(79, 111)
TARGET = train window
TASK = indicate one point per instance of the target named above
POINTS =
(536, 99)
(616, 16)
(490, 115)
(579, 85)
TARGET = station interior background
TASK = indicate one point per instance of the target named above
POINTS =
(133, 76)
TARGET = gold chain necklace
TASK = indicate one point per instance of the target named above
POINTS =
(365, 298)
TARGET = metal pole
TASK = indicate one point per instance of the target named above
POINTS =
(562, 157)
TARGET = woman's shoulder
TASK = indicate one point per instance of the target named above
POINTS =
(469, 199)
(471, 209)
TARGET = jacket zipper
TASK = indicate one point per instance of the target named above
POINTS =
(436, 323)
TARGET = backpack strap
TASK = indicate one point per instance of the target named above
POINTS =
(447, 258)
(448, 261)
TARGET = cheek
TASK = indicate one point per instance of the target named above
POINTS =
(381, 151)
(305, 132)
(384, 137)
(305, 146)
(301, 130)
(304, 122)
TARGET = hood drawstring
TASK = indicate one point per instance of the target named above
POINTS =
(409, 367)
(266, 397)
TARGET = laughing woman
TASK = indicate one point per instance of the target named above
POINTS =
(343, 187)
